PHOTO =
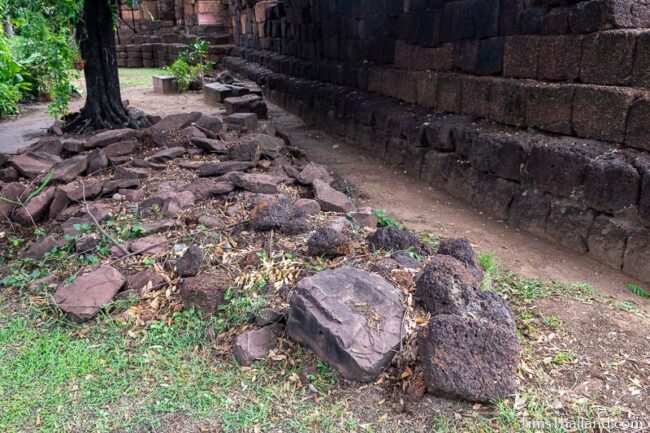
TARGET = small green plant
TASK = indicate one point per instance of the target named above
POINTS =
(629, 307)
(16, 242)
(552, 321)
(638, 291)
(191, 65)
(563, 357)
(83, 227)
(133, 231)
(487, 262)
(44, 48)
(196, 52)
(180, 69)
(20, 278)
(12, 79)
(412, 252)
(384, 220)
(238, 310)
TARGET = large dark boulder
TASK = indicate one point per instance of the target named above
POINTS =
(190, 263)
(394, 239)
(461, 249)
(449, 286)
(328, 242)
(469, 359)
(350, 318)
(272, 212)
(248, 150)
(205, 292)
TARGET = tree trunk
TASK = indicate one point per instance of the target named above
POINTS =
(104, 108)
(8, 28)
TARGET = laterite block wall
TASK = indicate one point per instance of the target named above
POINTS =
(536, 111)
(152, 33)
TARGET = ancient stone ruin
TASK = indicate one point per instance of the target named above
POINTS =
(535, 112)
(152, 32)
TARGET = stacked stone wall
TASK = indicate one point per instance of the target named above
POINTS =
(535, 111)
(152, 33)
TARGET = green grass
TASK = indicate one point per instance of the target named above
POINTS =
(138, 77)
(638, 291)
(523, 290)
(112, 374)
(56, 376)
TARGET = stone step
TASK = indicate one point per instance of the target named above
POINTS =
(609, 113)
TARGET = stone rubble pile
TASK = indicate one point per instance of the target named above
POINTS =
(188, 172)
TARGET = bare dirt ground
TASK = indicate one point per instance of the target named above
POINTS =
(425, 208)
(582, 349)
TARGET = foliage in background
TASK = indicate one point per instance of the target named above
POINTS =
(12, 79)
(191, 65)
(44, 47)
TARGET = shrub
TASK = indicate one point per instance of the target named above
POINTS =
(191, 65)
(45, 48)
(180, 69)
(12, 80)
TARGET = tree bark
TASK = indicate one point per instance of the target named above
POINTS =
(104, 108)
(8, 28)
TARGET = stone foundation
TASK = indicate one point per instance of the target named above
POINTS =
(535, 111)
(590, 196)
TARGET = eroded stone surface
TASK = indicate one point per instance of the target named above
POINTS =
(352, 319)
(331, 200)
(254, 345)
(469, 359)
(83, 298)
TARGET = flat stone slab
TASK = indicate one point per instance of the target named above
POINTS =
(220, 168)
(216, 92)
(253, 345)
(105, 138)
(240, 121)
(350, 318)
(331, 200)
(83, 298)
(240, 104)
(32, 164)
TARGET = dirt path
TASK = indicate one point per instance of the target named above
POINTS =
(382, 187)
(33, 122)
(424, 208)
(25, 129)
